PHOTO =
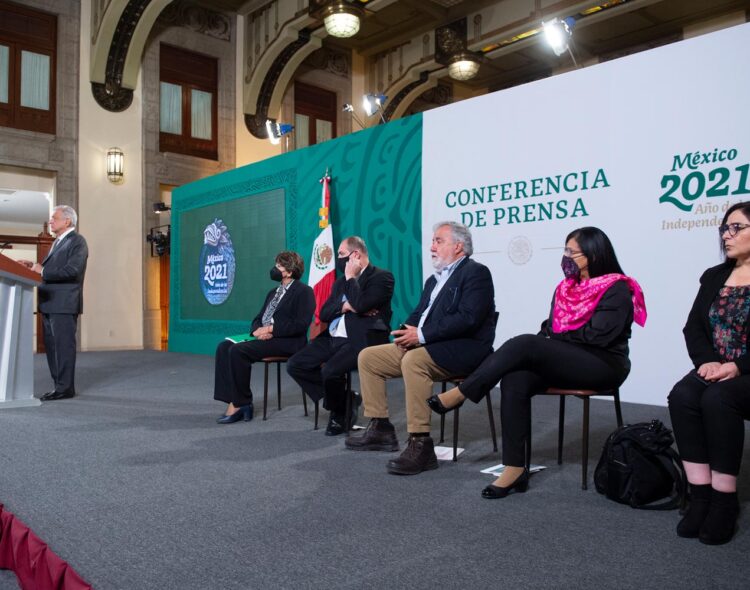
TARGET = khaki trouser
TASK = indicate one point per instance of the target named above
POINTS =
(378, 363)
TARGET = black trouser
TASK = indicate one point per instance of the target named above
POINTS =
(320, 369)
(709, 421)
(60, 345)
(528, 365)
(233, 365)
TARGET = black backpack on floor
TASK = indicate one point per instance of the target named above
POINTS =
(638, 466)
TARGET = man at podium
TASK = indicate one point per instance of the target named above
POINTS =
(60, 298)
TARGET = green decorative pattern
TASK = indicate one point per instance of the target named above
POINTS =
(375, 193)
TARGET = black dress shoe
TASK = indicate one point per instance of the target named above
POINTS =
(496, 492)
(55, 395)
(335, 425)
(243, 413)
(378, 436)
(437, 406)
(418, 456)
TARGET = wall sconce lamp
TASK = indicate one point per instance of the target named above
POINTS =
(161, 207)
(341, 19)
(115, 165)
(277, 130)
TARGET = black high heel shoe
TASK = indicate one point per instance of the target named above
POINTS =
(496, 492)
(243, 413)
(437, 406)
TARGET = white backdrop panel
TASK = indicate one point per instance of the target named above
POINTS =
(619, 133)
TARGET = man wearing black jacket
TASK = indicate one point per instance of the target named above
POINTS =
(358, 314)
(60, 299)
(449, 333)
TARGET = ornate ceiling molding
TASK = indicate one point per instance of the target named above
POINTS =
(122, 33)
(198, 19)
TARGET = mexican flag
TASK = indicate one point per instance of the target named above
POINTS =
(323, 262)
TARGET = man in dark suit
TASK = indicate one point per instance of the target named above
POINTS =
(358, 314)
(60, 298)
(449, 333)
(279, 329)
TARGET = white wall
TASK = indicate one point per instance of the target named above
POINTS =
(110, 216)
(632, 118)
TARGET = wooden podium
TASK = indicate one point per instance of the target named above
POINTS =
(16, 334)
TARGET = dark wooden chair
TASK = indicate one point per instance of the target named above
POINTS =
(457, 381)
(585, 395)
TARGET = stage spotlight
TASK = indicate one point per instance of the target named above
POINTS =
(350, 109)
(373, 103)
(277, 130)
(558, 33)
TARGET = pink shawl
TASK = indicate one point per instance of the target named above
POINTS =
(575, 302)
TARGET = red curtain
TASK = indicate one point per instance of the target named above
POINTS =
(35, 565)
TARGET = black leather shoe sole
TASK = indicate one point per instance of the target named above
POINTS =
(395, 468)
(352, 444)
(56, 395)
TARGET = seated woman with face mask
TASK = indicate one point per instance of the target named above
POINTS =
(582, 345)
(279, 329)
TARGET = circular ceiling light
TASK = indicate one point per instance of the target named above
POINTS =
(342, 19)
(463, 66)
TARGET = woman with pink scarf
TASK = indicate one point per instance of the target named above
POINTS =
(583, 345)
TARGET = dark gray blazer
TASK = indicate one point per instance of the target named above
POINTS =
(64, 267)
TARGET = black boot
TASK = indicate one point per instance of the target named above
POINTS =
(721, 521)
(700, 499)
(378, 436)
(418, 456)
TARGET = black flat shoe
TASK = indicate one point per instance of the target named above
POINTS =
(496, 492)
(243, 413)
(437, 406)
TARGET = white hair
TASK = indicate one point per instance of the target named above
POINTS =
(460, 233)
(68, 213)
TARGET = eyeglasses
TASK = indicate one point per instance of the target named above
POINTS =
(732, 228)
(571, 253)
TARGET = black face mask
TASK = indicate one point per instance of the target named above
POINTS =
(276, 274)
(570, 268)
(341, 263)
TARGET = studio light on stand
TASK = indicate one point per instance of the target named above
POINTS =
(159, 237)
(277, 130)
(342, 19)
(350, 109)
(463, 66)
(373, 103)
(558, 34)
(115, 165)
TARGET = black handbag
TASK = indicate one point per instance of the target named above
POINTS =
(638, 467)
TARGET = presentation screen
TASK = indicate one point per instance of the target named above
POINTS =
(224, 256)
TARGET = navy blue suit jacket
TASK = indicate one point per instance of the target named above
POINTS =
(460, 328)
(64, 268)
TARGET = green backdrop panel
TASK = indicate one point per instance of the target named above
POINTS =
(375, 193)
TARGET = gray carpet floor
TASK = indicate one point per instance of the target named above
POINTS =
(134, 484)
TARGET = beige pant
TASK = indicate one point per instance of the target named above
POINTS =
(378, 363)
